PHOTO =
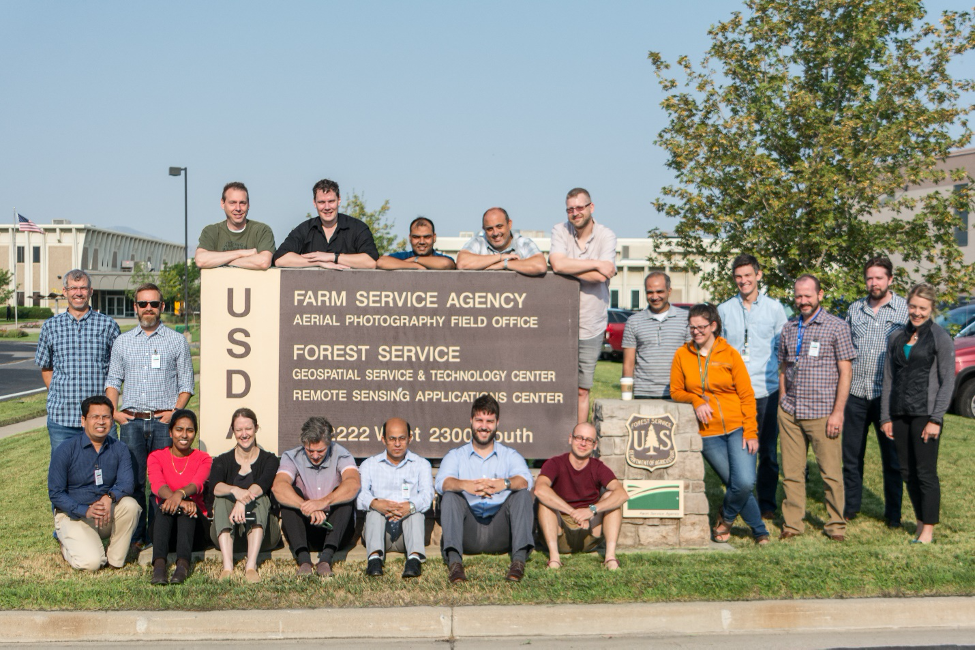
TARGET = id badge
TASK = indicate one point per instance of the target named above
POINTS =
(156, 361)
(746, 354)
(815, 349)
(98, 477)
(405, 491)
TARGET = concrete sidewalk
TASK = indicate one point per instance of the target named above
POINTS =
(22, 427)
(471, 622)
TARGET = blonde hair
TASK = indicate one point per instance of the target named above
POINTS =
(925, 291)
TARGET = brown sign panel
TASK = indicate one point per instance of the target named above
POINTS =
(358, 347)
(651, 441)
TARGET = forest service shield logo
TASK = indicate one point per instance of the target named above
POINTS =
(651, 441)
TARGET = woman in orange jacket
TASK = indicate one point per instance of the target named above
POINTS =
(709, 373)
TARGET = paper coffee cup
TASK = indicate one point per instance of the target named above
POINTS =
(627, 388)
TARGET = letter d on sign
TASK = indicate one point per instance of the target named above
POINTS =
(230, 384)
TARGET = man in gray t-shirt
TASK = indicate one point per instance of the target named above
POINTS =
(236, 241)
(497, 248)
(651, 338)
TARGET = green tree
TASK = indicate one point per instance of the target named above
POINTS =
(171, 284)
(7, 287)
(383, 234)
(805, 117)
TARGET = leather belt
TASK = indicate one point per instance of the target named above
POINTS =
(144, 415)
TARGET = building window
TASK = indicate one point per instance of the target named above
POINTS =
(626, 252)
(20, 254)
(614, 298)
(20, 298)
(635, 298)
(37, 254)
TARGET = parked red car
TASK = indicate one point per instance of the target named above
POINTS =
(963, 391)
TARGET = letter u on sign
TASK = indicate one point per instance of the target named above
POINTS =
(230, 303)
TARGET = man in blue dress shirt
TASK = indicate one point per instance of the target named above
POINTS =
(486, 498)
(396, 489)
(90, 486)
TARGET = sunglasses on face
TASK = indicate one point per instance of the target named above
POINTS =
(142, 304)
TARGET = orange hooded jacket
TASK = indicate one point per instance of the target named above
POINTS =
(727, 388)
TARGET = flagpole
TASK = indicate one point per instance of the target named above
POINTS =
(13, 247)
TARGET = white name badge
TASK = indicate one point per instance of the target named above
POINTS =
(405, 491)
(156, 361)
(98, 477)
(815, 349)
(745, 355)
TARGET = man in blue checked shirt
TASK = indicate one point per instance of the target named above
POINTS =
(153, 362)
(396, 489)
(73, 352)
(486, 498)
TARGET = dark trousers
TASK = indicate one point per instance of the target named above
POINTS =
(859, 413)
(510, 530)
(143, 437)
(917, 460)
(303, 537)
(767, 468)
(188, 534)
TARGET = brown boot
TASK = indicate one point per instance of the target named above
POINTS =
(180, 573)
(159, 572)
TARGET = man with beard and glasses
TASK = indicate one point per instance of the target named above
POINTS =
(582, 248)
(73, 352)
(153, 363)
(486, 498)
(815, 356)
(872, 319)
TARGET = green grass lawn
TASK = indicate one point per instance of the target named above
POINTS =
(873, 562)
(23, 408)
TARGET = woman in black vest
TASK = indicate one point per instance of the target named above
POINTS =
(917, 385)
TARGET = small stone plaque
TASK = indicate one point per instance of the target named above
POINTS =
(654, 499)
(651, 441)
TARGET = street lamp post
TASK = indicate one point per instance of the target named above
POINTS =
(176, 171)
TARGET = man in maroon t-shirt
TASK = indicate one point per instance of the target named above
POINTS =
(573, 514)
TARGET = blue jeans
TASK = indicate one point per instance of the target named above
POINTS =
(736, 468)
(60, 433)
(143, 437)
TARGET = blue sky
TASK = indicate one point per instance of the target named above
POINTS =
(443, 108)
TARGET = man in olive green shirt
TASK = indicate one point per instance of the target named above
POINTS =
(236, 241)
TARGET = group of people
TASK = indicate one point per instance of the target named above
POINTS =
(814, 381)
(579, 247)
(751, 374)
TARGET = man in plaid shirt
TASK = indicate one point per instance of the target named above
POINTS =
(871, 319)
(815, 376)
(154, 363)
(73, 352)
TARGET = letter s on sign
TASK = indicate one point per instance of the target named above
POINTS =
(246, 347)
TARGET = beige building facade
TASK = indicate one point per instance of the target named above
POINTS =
(40, 261)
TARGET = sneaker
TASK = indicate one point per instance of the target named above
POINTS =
(412, 569)
(374, 568)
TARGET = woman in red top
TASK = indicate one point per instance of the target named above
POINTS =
(176, 477)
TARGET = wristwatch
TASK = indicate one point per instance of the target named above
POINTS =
(336, 259)
(505, 264)
(412, 508)
(593, 508)
(508, 483)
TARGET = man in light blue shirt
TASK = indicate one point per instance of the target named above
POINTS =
(486, 498)
(751, 323)
(396, 489)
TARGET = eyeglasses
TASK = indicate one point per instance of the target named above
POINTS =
(578, 208)
(696, 328)
(585, 440)
(84, 289)
(142, 304)
(98, 418)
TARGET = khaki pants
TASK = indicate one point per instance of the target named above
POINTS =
(571, 538)
(795, 436)
(81, 539)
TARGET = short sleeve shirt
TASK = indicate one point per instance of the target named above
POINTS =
(409, 253)
(350, 237)
(218, 237)
(595, 297)
(316, 481)
(655, 343)
(579, 488)
(811, 379)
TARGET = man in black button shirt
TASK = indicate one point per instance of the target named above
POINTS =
(333, 241)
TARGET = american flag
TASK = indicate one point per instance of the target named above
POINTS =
(26, 225)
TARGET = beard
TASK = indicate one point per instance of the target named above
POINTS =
(149, 321)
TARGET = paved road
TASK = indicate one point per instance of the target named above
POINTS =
(916, 638)
(18, 374)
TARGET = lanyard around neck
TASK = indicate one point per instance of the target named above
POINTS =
(800, 334)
